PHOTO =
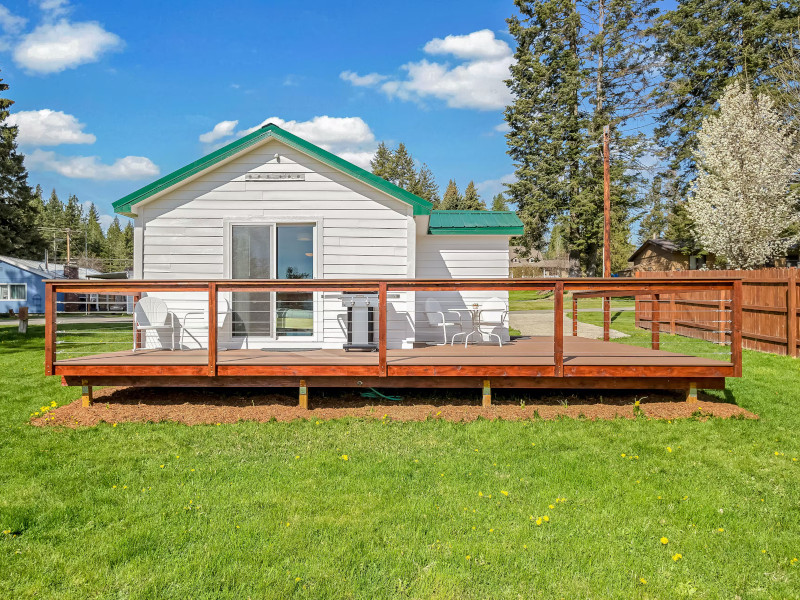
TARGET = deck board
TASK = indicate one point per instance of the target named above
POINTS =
(535, 351)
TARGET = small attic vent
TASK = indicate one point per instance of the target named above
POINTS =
(275, 177)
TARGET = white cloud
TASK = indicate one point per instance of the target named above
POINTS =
(221, 130)
(54, 47)
(49, 128)
(348, 137)
(477, 82)
(478, 44)
(502, 128)
(491, 187)
(90, 167)
(105, 221)
(9, 22)
(54, 8)
(357, 80)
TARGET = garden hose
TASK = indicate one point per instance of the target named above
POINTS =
(375, 394)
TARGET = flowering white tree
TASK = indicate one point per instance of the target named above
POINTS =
(742, 205)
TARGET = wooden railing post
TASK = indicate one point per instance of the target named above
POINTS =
(655, 323)
(558, 329)
(382, 309)
(212, 329)
(672, 314)
(791, 314)
(50, 325)
(736, 327)
(606, 318)
(574, 315)
(137, 335)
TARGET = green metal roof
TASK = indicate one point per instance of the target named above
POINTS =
(123, 205)
(486, 222)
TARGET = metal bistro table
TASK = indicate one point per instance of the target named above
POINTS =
(474, 314)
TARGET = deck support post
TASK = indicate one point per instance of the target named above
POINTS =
(487, 394)
(691, 393)
(86, 393)
(303, 395)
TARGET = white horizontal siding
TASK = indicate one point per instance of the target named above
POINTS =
(364, 232)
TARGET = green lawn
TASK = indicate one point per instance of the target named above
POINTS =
(535, 300)
(417, 510)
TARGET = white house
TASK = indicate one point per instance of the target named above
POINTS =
(272, 205)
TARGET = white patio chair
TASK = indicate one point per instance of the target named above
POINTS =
(438, 318)
(151, 314)
(492, 315)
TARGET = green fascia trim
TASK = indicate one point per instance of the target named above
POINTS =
(123, 205)
(477, 231)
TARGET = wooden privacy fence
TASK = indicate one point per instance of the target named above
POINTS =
(770, 300)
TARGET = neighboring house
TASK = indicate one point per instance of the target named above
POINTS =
(272, 205)
(658, 254)
(22, 283)
(535, 265)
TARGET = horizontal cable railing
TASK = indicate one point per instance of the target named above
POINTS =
(204, 319)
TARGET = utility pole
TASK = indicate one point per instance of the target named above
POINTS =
(606, 206)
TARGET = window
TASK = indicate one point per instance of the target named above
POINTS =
(13, 291)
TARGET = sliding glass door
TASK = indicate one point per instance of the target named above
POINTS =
(272, 251)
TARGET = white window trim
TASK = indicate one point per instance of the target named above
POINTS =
(8, 292)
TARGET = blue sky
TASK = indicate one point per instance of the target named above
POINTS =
(110, 95)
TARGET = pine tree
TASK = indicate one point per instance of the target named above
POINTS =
(452, 197)
(94, 232)
(471, 200)
(424, 186)
(499, 202)
(114, 250)
(73, 225)
(19, 235)
(707, 45)
(404, 173)
(382, 164)
(126, 261)
(654, 222)
(545, 137)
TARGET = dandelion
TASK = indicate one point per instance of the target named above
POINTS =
(551, 506)
(296, 456)
(622, 455)
(345, 457)
(505, 493)
(53, 404)
(669, 449)
(720, 529)
(162, 466)
(664, 541)
(677, 557)
(113, 487)
(545, 518)
(643, 580)
(468, 557)
(297, 579)
(114, 425)
(539, 521)
(287, 523)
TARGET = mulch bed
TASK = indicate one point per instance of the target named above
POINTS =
(203, 406)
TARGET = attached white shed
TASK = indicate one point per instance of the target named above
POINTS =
(271, 206)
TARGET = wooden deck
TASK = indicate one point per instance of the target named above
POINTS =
(558, 361)
(525, 358)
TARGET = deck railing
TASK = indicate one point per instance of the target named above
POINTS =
(214, 299)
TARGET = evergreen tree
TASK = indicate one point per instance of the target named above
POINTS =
(94, 232)
(19, 235)
(545, 123)
(73, 225)
(706, 45)
(471, 200)
(425, 186)
(499, 202)
(114, 250)
(654, 222)
(126, 261)
(576, 71)
(680, 228)
(452, 197)
(382, 164)
(404, 173)
(38, 206)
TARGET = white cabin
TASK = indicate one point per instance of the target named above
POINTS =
(272, 205)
